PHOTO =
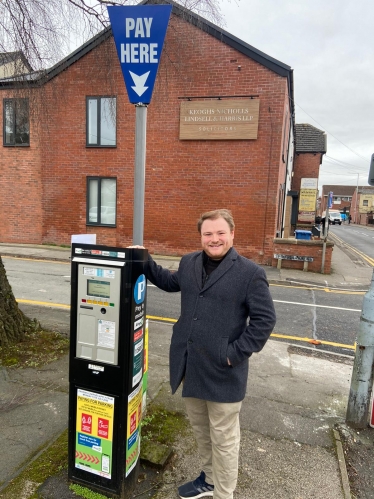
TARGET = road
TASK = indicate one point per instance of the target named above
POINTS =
(356, 240)
(304, 314)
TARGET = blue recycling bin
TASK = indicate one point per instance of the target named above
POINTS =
(303, 234)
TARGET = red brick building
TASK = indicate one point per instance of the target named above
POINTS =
(67, 160)
(341, 199)
(310, 146)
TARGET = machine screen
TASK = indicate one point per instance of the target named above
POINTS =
(98, 288)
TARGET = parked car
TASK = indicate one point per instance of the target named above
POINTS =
(334, 217)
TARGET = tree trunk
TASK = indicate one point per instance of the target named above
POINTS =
(13, 323)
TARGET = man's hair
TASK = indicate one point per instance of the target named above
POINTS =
(213, 215)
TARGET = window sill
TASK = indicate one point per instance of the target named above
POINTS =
(110, 226)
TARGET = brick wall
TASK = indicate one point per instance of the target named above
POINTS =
(306, 166)
(183, 178)
(300, 247)
(21, 189)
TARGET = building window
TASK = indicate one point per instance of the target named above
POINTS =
(101, 201)
(101, 121)
(365, 202)
(16, 122)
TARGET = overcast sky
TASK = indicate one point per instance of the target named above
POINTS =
(330, 46)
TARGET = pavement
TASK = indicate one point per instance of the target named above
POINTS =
(296, 397)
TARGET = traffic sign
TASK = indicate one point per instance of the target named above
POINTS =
(139, 34)
(330, 199)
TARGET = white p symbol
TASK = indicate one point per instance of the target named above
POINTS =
(141, 287)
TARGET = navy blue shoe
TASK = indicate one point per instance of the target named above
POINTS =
(198, 488)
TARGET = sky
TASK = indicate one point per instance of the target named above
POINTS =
(329, 44)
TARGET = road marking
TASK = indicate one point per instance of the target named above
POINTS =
(43, 303)
(33, 259)
(62, 305)
(173, 321)
(308, 288)
(163, 319)
(320, 288)
(362, 255)
(319, 306)
(314, 312)
(313, 341)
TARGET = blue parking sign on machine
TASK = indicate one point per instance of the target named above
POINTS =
(139, 34)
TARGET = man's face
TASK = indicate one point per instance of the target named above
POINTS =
(216, 238)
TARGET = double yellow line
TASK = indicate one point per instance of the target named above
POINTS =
(169, 320)
(311, 341)
(365, 257)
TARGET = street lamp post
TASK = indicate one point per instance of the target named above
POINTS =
(356, 208)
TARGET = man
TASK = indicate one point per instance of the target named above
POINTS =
(211, 344)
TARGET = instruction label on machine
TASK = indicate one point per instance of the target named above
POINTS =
(95, 272)
(94, 433)
(133, 428)
(106, 334)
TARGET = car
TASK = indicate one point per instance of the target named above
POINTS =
(334, 217)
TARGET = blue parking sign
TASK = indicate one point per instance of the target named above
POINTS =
(139, 34)
(140, 289)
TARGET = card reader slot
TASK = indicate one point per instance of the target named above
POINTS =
(86, 306)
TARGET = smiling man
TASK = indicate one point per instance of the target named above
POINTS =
(227, 314)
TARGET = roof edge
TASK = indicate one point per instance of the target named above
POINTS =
(267, 61)
(224, 36)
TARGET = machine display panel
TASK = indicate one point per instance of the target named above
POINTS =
(98, 288)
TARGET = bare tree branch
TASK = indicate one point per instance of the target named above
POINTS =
(45, 31)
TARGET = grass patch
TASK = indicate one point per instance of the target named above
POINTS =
(86, 493)
(160, 425)
(38, 347)
(51, 462)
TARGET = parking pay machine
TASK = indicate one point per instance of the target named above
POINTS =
(108, 341)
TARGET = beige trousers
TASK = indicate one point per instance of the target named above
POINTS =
(217, 432)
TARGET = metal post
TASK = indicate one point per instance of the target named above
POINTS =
(362, 374)
(356, 209)
(323, 256)
(139, 175)
(325, 234)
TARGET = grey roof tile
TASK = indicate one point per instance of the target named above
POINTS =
(309, 139)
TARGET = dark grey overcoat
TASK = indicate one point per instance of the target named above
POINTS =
(213, 325)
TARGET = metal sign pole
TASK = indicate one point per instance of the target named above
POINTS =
(139, 174)
(325, 232)
(139, 34)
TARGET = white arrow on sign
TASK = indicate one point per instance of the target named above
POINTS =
(139, 81)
